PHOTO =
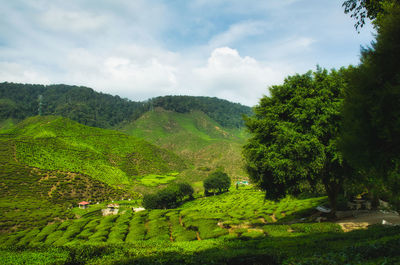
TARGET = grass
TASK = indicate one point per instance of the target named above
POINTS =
(153, 180)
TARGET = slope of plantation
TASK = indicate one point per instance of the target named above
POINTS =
(56, 143)
(236, 214)
(376, 245)
(195, 136)
(232, 228)
(32, 197)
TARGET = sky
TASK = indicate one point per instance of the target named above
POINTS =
(139, 49)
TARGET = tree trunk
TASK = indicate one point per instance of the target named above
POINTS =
(332, 189)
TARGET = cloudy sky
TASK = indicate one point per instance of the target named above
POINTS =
(231, 49)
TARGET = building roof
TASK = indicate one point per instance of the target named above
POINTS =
(83, 203)
(113, 205)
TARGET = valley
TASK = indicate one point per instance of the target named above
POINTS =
(51, 163)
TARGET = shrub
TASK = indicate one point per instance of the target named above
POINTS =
(216, 182)
(169, 197)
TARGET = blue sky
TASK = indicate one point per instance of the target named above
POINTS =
(231, 49)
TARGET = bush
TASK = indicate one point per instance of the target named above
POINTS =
(168, 198)
(216, 182)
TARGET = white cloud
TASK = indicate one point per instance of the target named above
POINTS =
(231, 49)
(238, 31)
(231, 76)
(18, 73)
(74, 21)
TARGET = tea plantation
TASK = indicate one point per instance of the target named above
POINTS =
(231, 228)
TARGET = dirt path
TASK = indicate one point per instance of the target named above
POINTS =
(363, 219)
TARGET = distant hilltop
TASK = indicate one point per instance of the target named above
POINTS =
(88, 107)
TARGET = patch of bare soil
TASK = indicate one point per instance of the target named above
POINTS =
(352, 220)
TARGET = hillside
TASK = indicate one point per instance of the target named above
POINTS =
(194, 136)
(56, 143)
(88, 107)
(30, 196)
(50, 163)
(231, 228)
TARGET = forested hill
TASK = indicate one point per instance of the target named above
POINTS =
(81, 104)
(88, 107)
(226, 113)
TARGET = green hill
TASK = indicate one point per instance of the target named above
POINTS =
(56, 143)
(88, 107)
(31, 196)
(194, 136)
(50, 163)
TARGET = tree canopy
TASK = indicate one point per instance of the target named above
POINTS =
(217, 182)
(371, 110)
(294, 135)
(169, 197)
(86, 106)
(362, 9)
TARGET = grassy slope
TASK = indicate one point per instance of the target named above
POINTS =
(173, 236)
(51, 163)
(56, 143)
(194, 136)
(32, 197)
(237, 214)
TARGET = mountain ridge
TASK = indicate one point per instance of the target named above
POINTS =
(88, 107)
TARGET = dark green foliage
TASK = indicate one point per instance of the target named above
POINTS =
(226, 113)
(372, 111)
(169, 197)
(88, 107)
(363, 9)
(217, 182)
(294, 136)
(81, 104)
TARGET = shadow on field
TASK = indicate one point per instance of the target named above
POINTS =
(376, 245)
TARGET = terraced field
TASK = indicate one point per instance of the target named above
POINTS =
(232, 228)
(236, 214)
(55, 143)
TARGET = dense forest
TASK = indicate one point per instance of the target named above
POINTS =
(92, 108)
(226, 113)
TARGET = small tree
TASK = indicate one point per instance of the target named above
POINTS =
(169, 197)
(150, 201)
(216, 182)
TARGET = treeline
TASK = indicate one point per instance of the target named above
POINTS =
(88, 107)
(226, 113)
(81, 104)
(169, 197)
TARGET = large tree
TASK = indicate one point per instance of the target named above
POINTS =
(371, 132)
(361, 10)
(294, 136)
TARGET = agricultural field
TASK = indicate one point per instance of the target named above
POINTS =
(195, 137)
(153, 180)
(235, 227)
(31, 197)
(237, 214)
(55, 143)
